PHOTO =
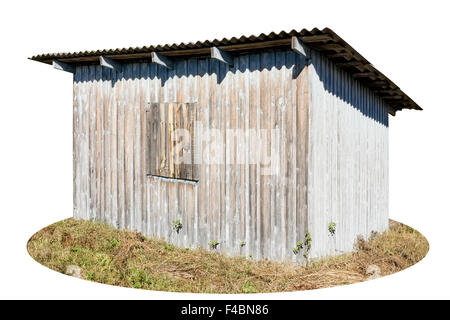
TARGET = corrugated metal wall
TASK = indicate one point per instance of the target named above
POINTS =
(348, 159)
(231, 203)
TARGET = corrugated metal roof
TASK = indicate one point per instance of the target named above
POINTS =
(325, 41)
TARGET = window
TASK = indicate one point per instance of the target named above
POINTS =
(170, 137)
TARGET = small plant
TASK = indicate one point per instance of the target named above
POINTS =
(242, 244)
(115, 242)
(75, 249)
(332, 228)
(169, 247)
(307, 244)
(249, 288)
(137, 285)
(308, 240)
(297, 249)
(213, 244)
(177, 226)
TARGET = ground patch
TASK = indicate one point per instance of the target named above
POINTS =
(128, 259)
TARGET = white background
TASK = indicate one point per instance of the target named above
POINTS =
(408, 41)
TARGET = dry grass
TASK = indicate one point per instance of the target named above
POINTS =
(129, 259)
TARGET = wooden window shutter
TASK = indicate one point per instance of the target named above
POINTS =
(170, 140)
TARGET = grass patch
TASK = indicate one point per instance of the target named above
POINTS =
(128, 259)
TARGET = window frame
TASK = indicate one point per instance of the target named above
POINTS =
(163, 121)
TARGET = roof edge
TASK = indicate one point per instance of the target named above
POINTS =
(326, 41)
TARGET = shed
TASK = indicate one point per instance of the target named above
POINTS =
(272, 146)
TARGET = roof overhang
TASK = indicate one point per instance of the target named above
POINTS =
(325, 41)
